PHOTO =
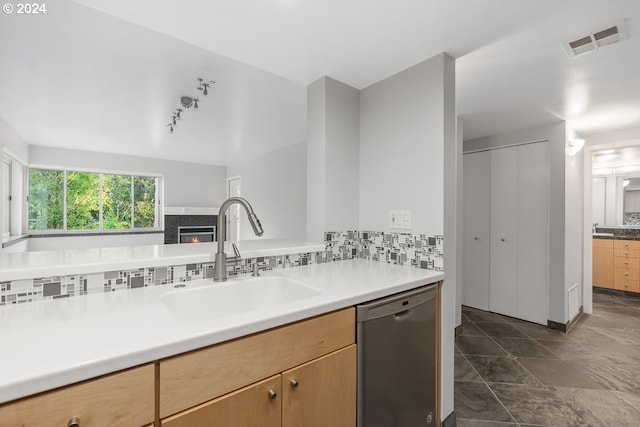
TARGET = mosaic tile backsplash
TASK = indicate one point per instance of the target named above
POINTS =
(412, 250)
(631, 218)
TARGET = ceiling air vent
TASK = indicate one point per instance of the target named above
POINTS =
(607, 36)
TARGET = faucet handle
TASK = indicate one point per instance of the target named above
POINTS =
(235, 250)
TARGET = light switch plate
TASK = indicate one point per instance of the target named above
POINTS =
(400, 219)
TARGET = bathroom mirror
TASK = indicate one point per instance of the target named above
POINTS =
(616, 186)
(616, 200)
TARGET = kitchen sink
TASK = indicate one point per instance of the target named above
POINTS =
(234, 297)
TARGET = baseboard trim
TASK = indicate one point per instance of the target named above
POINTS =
(557, 326)
(573, 321)
(450, 421)
(607, 291)
(565, 327)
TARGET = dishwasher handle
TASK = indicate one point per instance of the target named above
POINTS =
(399, 305)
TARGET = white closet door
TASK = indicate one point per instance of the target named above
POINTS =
(504, 231)
(533, 232)
(477, 216)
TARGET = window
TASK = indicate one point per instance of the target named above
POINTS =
(76, 200)
(5, 192)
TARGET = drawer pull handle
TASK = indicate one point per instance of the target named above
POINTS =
(294, 383)
(272, 394)
(73, 422)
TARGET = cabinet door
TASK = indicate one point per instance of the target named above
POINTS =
(122, 399)
(259, 405)
(322, 392)
(504, 231)
(477, 219)
(533, 232)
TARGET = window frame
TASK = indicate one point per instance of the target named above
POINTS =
(159, 207)
(7, 199)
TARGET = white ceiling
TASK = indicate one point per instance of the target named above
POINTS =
(528, 79)
(78, 77)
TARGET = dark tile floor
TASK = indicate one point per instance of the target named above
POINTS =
(510, 373)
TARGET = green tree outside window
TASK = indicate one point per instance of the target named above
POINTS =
(125, 201)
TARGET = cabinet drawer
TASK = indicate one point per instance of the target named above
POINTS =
(626, 244)
(624, 262)
(627, 253)
(626, 273)
(626, 284)
(603, 243)
(124, 399)
(193, 378)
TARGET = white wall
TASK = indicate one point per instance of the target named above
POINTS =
(556, 135)
(401, 148)
(454, 215)
(84, 242)
(316, 167)
(333, 129)
(598, 202)
(185, 184)
(342, 155)
(276, 186)
(11, 142)
(410, 159)
(574, 225)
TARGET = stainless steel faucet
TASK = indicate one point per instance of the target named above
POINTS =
(220, 267)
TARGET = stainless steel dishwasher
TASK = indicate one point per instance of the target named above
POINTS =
(397, 346)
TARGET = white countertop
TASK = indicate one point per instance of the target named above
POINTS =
(28, 265)
(53, 343)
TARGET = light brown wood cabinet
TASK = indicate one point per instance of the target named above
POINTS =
(318, 393)
(616, 264)
(603, 263)
(626, 275)
(317, 355)
(299, 375)
(322, 392)
(256, 405)
(123, 399)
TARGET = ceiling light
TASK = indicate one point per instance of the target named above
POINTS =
(204, 86)
(190, 101)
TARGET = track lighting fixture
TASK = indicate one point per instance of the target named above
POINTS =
(188, 102)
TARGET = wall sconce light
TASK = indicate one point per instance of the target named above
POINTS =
(574, 146)
(187, 102)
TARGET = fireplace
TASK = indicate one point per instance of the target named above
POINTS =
(196, 234)
(200, 226)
